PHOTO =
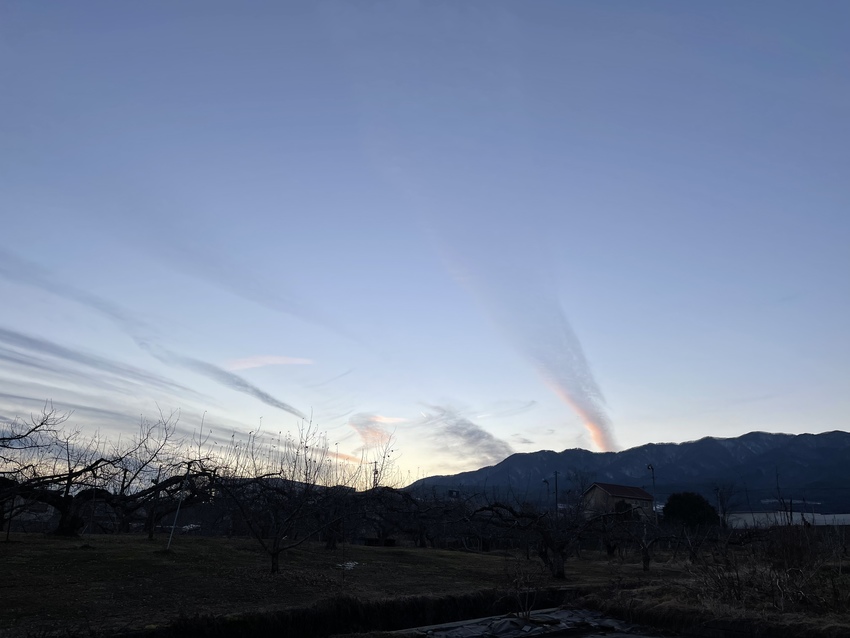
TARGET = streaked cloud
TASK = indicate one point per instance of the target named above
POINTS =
(223, 271)
(342, 456)
(458, 436)
(25, 272)
(371, 428)
(219, 375)
(28, 344)
(507, 408)
(331, 380)
(531, 317)
(263, 360)
(49, 369)
(388, 419)
(14, 404)
(22, 271)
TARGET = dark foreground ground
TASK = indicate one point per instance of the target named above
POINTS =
(109, 585)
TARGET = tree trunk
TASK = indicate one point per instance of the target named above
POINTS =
(553, 561)
(12, 512)
(646, 557)
(275, 562)
(69, 523)
(557, 566)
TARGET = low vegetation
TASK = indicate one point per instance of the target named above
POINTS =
(115, 583)
(112, 584)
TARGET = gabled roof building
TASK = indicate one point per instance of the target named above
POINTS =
(605, 498)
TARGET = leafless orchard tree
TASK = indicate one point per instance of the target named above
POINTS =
(46, 462)
(22, 448)
(65, 465)
(20, 433)
(383, 464)
(727, 496)
(277, 486)
(554, 537)
(149, 470)
(425, 518)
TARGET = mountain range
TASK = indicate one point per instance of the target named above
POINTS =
(758, 471)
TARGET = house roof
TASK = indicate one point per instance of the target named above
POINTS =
(623, 491)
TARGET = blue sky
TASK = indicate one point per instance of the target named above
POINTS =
(485, 227)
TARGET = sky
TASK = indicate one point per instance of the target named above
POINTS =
(479, 228)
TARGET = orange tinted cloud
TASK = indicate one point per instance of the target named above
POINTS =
(370, 428)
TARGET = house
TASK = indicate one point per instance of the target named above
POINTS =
(606, 498)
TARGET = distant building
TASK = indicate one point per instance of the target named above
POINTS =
(607, 498)
(766, 520)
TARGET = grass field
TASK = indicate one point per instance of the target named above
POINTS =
(101, 585)
(118, 582)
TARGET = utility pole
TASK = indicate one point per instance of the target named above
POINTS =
(654, 508)
(556, 499)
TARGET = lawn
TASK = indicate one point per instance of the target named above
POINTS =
(113, 583)
(102, 585)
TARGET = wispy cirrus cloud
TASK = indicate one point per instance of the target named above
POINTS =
(263, 360)
(50, 369)
(27, 273)
(224, 377)
(388, 419)
(507, 408)
(98, 415)
(529, 314)
(27, 344)
(21, 271)
(459, 436)
(371, 428)
(220, 269)
(332, 379)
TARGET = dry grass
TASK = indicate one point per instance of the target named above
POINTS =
(114, 583)
(109, 584)
(672, 597)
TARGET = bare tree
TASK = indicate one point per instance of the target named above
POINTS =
(149, 464)
(277, 487)
(556, 536)
(726, 494)
(79, 476)
(66, 464)
(22, 434)
(22, 448)
(383, 465)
